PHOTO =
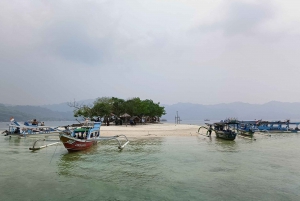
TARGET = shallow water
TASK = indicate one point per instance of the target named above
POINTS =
(172, 168)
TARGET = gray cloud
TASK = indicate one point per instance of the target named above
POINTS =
(71, 42)
(241, 18)
(56, 51)
(245, 18)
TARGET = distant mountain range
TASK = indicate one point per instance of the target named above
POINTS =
(243, 111)
(54, 112)
(64, 107)
(27, 112)
(187, 111)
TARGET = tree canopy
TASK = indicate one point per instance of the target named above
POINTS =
(107, 106)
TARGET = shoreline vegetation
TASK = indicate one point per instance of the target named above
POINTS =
(116, 110)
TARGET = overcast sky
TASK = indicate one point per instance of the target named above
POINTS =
(169, 51)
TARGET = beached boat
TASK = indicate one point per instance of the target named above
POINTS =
(86, 137)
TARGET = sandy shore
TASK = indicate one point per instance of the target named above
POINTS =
(150, 130)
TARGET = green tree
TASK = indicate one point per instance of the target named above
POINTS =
(153, 109)
(83, 111)
(118, 106)
(102, 107)
(136, 107)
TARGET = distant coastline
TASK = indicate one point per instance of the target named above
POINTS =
(187, 111)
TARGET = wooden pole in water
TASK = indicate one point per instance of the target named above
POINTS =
(177, 118)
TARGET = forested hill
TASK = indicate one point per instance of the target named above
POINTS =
(7, 112)
(26, 112)
(63, 107)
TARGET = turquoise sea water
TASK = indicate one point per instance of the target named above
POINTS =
(171, 168)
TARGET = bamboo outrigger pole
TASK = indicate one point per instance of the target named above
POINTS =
(41, 147)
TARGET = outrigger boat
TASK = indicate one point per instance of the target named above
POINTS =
(277, 126)
(17, 129)
(224, 129)
(247, 128)
(86, 137)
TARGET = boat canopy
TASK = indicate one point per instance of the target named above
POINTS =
(87, 132)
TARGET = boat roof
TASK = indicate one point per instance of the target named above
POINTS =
(222, 123)
(277, 122)
(226, 123)
(23, 126)
(266, 122)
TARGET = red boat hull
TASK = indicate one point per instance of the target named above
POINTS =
(73, 144)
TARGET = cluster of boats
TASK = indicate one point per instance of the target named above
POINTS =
(74, 138)
(84, 135)
(230, 128)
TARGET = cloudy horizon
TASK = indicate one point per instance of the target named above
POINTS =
(169, 51)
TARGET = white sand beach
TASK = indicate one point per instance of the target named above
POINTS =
(147, 130)
(150, 130)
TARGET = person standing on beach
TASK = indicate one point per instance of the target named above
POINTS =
(209, 130)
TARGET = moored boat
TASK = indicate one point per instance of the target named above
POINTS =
(18, 129)
(73, 144)
(247, 128)
(277, 126)
(85, 137)
(81, 138)
(224, 129)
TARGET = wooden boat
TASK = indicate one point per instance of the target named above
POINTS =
(86, 137)
(277, 126)
(250, 127)
(224, 129)
(247, 128)
(18, 129)
(249, 132)
(72, 144)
